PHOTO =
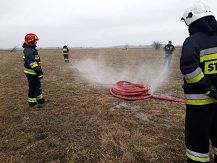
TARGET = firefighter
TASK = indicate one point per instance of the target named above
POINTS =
(32, 70)
(198, 64)
(66, 53)
(169, 48)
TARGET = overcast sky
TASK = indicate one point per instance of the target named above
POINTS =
(95, 23)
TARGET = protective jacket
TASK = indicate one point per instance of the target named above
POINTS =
(198, 64)
(32, 65)
(169, 48)
(65, 50)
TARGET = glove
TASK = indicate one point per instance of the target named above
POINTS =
(212, 92)
(39, 72)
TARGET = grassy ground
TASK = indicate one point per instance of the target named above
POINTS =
(83, 122)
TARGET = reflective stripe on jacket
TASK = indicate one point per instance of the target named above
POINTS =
(65, 50)
(199, 99)
(31, 60)
(198, 64)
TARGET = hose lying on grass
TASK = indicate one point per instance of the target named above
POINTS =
(131, 92)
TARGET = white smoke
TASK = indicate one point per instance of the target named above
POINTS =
(100, 71)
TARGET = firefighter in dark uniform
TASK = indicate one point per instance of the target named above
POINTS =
(66, 53)
(169, 48)
(32, 70)
(198, 64)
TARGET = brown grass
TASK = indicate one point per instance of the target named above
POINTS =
(78, 125)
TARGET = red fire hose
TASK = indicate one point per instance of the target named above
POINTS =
(131, 92)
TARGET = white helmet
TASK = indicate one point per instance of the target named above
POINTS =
(195, 12)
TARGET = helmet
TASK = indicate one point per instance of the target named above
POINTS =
(195, 12)
(31, 39)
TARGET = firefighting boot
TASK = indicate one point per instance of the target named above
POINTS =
(42, 101)
(32, 104)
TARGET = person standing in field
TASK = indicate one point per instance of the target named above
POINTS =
(66, 53)
(198, 64)
(169, 48)
(33, 70)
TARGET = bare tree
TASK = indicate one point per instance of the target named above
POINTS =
(156, 45)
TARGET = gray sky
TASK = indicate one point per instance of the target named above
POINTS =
(95, 23)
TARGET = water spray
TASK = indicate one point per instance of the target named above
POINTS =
(99, 72)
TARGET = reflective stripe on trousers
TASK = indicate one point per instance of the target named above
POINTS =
(196, 156)
(32, 100)
(39, 97)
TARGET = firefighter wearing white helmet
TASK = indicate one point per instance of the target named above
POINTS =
(198, 64)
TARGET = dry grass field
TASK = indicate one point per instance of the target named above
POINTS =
(83, 122)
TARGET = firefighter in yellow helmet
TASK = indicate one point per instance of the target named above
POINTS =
(198, 64)
(33, 70)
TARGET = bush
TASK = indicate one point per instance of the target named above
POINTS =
(156, 45)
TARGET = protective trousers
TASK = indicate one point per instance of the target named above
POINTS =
(167, 59)
(35, 92)
(200, 127)
(66, 57)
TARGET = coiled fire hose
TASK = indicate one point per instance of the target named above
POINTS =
(131, 92)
